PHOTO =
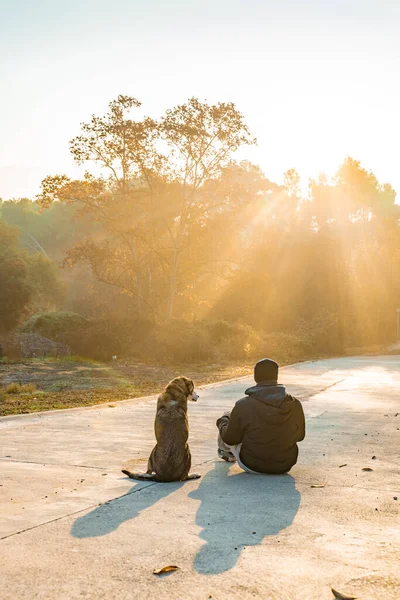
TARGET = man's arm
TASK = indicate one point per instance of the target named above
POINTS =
(300, 420)
(231, 428)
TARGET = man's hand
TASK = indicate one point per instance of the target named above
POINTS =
(224, 420)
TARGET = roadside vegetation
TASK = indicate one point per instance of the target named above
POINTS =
(54, 383)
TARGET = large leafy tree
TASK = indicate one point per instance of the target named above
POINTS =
(151, 194)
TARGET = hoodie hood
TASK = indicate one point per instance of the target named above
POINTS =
(273, 395)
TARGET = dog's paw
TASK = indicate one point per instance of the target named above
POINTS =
(194, 476)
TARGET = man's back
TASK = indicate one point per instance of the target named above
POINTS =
(268, 423)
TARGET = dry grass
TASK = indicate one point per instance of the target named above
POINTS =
(18, 388)
(47, 384)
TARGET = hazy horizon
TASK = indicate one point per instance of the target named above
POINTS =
(315, 82)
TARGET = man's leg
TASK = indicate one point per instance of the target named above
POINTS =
(225, 451)
(232, 454)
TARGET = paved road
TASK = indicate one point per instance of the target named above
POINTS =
(72, 527)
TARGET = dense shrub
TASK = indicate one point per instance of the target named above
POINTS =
(99, 339)
(61, 326)
(180, 341)
(174, 340)
(232, 341)
(122, 337)
(285, 347)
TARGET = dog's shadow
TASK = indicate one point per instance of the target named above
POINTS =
(107, 517)
(240, 510)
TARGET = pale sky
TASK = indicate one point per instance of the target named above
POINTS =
(315, 79)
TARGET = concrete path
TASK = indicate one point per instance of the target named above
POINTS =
(73, 527)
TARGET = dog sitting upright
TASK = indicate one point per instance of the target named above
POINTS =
(170, 459)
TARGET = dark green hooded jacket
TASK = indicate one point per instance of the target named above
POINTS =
(268, 423)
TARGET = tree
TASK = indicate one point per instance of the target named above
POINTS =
(29, 282)
(47, 289)
(124, 151)
(15, 291)
(201, 140)
(51, 232)
(149, 202)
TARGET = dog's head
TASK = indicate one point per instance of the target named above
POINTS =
(186, 386)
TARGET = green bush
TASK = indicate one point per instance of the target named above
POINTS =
(182, 341)
(177, 340)
(107, 337)
(285, 347)
(232, 341)
(61, 326)
(100, 339)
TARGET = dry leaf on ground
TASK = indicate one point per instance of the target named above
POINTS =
(317, 485)
(340, 596)
(367, 469)
(167, 569)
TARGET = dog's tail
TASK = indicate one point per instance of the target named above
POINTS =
(141, 476)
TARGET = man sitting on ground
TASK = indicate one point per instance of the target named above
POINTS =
(262, 431)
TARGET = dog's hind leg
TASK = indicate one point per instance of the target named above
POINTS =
(186, 475)
(150, 464)
(191, 476)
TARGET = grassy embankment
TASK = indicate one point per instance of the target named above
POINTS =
(45, 384)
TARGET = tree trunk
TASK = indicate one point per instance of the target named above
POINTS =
(172, 287)
(139, 296)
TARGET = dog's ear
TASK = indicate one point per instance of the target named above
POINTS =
(189, 384)
(179, 385)
(184, 384)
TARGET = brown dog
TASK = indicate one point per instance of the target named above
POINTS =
(170, 459)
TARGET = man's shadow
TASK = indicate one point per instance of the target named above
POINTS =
(240, 510)
(109, 516)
